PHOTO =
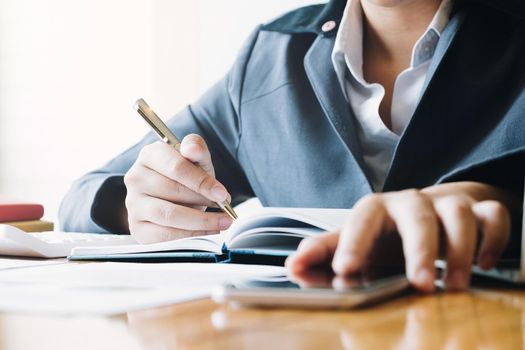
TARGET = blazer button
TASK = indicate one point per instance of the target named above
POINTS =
(328, 26)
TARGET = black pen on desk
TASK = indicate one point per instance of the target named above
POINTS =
(168, 137)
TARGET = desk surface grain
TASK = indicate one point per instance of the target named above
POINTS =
(487, 319)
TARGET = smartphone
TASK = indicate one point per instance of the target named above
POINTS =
(314, 291)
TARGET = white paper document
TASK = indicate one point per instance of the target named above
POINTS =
(115, 288)
(13, 263)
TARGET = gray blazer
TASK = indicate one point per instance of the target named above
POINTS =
(279, 127)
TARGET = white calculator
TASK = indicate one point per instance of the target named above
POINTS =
(15, 242)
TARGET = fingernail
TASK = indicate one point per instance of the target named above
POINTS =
(225, 222)
(486, 261)
(425, 277)
(456, 280)
(189, 147)
(344, 264)
(219, 194)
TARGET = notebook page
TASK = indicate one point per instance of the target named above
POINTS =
(276, 238)
(271, 217)
(209, 243)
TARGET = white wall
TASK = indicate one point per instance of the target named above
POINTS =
(225, 24)
(70, 72)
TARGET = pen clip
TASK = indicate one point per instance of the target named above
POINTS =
(156, 123)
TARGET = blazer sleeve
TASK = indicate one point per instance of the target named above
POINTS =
(94, 201)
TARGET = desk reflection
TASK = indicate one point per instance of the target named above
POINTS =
(470, 320)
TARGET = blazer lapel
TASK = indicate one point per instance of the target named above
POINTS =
(410, 157)
(460, 119)
(322, 76)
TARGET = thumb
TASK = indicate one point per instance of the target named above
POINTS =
(194, 148)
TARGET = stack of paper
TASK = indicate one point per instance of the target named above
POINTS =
(114, 288)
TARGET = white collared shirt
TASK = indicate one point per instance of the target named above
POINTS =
(377, 141)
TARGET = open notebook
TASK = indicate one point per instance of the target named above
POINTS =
(265, 236)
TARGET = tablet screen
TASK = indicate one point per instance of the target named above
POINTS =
(324, 280)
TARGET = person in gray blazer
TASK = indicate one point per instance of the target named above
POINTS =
(411, 112)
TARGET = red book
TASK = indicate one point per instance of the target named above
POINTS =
(17, 210)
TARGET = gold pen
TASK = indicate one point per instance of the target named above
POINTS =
(167, 136)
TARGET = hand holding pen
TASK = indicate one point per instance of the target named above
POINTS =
(170, 185)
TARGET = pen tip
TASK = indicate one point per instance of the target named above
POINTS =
(229, 210)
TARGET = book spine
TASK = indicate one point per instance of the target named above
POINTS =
(32, 225)
(21, 212)
(258, 257)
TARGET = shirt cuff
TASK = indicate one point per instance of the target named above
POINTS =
(109, 206)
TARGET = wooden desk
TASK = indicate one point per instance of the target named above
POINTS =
(477, 319)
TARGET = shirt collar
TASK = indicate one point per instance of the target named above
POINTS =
(425, 46)
(348, 47)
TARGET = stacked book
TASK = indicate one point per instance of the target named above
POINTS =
(27, 216)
